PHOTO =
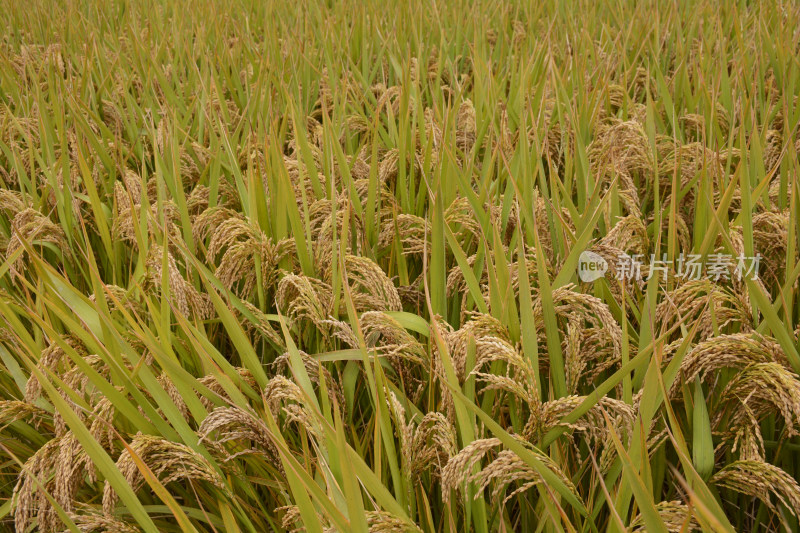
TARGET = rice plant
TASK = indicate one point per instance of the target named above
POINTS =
(399, 267)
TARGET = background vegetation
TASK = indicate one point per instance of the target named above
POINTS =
(290, 266)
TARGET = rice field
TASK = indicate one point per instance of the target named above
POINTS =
(406, 267)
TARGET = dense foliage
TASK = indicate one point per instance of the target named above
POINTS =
(314, 266)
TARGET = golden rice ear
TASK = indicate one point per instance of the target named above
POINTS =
(372, 288)
(558, 138)
(174, 394)
(629, 234)
(694, 126)
(198, 200)
(237, 268)
(773, 151)
(764, 388)
(384, 522)
(357, 124)
(508, 468)
(169, 461)
(460, 217)
(301, 297)
(390, 164)
(619, 150)
(728, 351)
(405, 354)
(28, 499)
(73, 466)
(323, 227)
(32, 227)
(128, 206)
(162, 134)
(520, 378)
(102, 410)
(458, 469)
(342, 331)
(697, 301)
(412, 231)
(102, 424)
(479, 326)
(689, 160)
(384, 332)
(616, 98)
(189, 169)
(209, 221)
(682, 229)
(316, 372)
(456, 283)
(598, 343)
(433, 130)
(52, 359)
(505, 469)
(292, 520)
(37, 56)
(549, 415)
(516, 272)
(490, 341)
(12, 203)
(282, 395)
(213, 384)
(433, 444)
(229, 231)
(747, 438)
(466, 127)
(389, 99)
(763, 481)
(403, 429)
(675, 515)
(261, 323)
(13, 410)
(186, 298)
(120, 299)
(506, 140)
(89, 518)
(770, 240)
(111, 116)
(509, 384)
(228, 424)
